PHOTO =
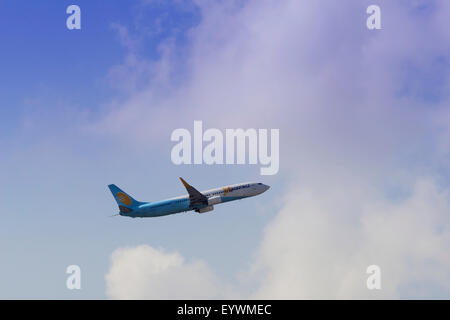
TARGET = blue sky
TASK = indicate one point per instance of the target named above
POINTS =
(54, 80)
(364, 134)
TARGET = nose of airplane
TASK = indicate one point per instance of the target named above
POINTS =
(266, 187)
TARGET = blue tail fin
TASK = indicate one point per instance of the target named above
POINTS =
(125, 202)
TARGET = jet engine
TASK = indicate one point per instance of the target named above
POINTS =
(214, 200)
(205, 209)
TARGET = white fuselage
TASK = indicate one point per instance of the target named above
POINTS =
(214, 196)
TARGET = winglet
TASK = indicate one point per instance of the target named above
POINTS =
(184, 183)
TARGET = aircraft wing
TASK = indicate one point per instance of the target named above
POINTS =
(196, 198)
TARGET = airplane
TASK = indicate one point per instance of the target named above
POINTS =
(200, 202)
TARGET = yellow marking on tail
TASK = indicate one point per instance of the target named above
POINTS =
(124, 198)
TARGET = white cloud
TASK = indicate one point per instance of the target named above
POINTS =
(321, 243)
(357, 116)
(317, 247)
(143, 272)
